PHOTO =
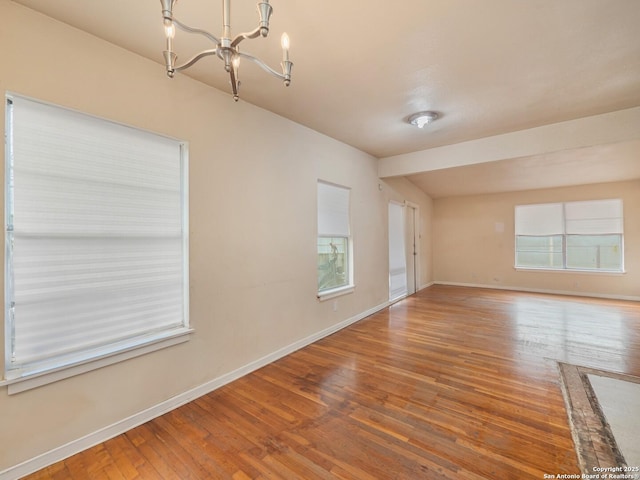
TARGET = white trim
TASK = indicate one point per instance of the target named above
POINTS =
(402, 297)
(186, 278)
(417, 238)
(44, 377)
(613, 273)
(335, 292)
(398, 299)
(75, 446)
(633, 298)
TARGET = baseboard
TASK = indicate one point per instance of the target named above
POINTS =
(99, 436)
(426, 285)
(402, 297)
(632, 298)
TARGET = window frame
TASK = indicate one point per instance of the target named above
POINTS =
(34, 373)
(551, 229)
(349, 287)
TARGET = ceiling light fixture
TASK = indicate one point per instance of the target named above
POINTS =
(422, 118)
(226, 48)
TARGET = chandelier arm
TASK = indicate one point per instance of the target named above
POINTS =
(204, 53)
(262, 65)
(246, 35)
(199, 31)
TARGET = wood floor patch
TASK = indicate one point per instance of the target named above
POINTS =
(596, 446)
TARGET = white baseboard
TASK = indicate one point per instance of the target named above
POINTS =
(99, 436)
(632, 298)
(426, 285)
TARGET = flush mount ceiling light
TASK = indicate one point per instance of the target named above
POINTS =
(422, 118)
(226, 48)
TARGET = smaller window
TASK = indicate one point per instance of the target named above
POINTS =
(334, 240)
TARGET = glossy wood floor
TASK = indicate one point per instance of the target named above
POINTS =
(451, 383)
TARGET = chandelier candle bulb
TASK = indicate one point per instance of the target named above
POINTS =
(285, 47)
(170, 32)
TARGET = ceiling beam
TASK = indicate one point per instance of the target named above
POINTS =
(607, 128)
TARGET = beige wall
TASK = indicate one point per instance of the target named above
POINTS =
(252, 227)
(474, 242)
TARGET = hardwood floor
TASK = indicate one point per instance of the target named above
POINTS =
(451, 383)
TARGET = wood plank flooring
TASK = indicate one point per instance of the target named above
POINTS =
(451, 383)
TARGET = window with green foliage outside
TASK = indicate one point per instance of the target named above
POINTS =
(334, 241)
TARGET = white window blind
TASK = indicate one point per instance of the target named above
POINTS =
(397, 254)
(542, 219)
(333, 210)
(96, 235)
(593, 217)
(598, 217)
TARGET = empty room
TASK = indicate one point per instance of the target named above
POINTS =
(320, 240)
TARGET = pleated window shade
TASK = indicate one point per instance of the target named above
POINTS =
(594, 217)
(96, 243)
(333, 210)
(590, 217)
(540, 220)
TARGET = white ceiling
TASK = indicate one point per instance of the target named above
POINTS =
(361, 68)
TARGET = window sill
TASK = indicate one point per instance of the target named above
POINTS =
(336, 292)
(33, 378)
(571, 270)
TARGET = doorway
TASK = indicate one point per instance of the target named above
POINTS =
(403, 250)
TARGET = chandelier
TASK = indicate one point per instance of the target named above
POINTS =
(226, 48)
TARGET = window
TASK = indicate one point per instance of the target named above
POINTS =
(96, 244)
(570, 236)
(334, 240)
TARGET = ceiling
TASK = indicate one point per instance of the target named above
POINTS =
(361, 68)
(599, 164)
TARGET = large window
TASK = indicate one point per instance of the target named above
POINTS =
(334, 240)
(96, 244)
(570, 236)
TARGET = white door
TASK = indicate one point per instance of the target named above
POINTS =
(397, 252)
